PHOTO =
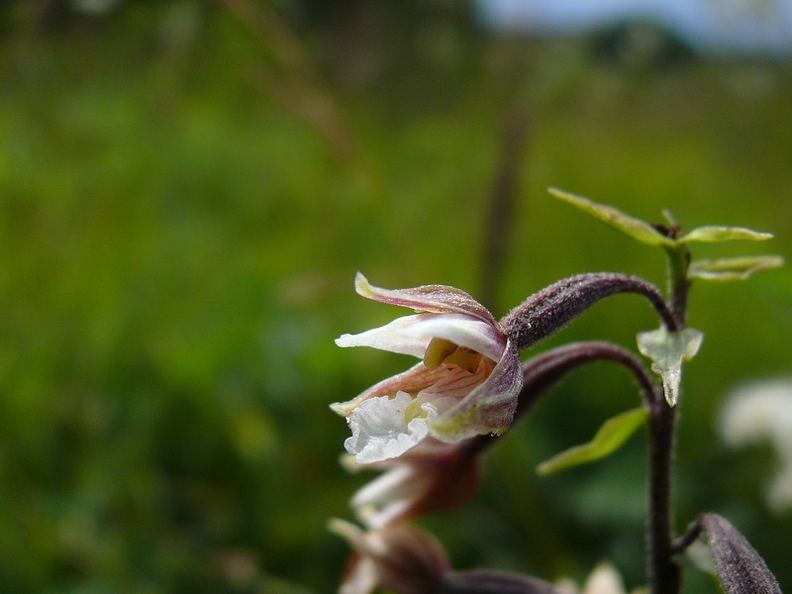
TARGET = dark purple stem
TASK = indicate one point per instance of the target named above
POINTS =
(664, 574)
(549, 310)
(681, 544)
(543, 372)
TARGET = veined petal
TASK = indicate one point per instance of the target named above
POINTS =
(429, 298)
(457, 383)
(488, 408)
(415, 379)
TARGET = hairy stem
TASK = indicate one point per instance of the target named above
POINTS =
(543, 372)
(549, 310)
(664, 574)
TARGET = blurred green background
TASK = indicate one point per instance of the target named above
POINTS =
(186, 191)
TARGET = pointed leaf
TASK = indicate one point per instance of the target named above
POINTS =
(635, 228)
(613, 433)
(668, 350)
(729, 269)
(739, 567)
(711, 234)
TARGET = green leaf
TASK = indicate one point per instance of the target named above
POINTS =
(711, 234)
(635, 228)
(668, 350)
(610, 437)
(729, 269)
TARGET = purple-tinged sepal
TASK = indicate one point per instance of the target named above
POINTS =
(399, 558)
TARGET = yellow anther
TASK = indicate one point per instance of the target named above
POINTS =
(442, 351)
(467, 359)
(437, 351)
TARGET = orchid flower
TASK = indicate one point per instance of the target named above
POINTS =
(431, 477)
(466, 384)
(400, 558)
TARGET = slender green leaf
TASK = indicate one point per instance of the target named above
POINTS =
(729, 269)
(635, 228)
(710, 234)
(668, 350)
(610, 437)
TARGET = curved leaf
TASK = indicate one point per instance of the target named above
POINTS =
(729, 269)
(715, 233)
(635, 228)
(610, 437)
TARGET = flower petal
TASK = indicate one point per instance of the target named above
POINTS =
(427, 298)
(380, 429)
(394, 337)
(462, 330)
(431, 477)
(363, 578)
(489, 408)
(414, 380)
(389, 495)
(410, 335)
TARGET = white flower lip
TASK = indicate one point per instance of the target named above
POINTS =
(410, 335)
(380, 429)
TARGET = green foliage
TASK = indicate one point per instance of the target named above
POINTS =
(714, 233)
(180, 237)
(610, 437)
(728, 269)
(635, 228)
(721, 270)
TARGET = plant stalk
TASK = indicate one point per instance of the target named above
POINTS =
(664, 573)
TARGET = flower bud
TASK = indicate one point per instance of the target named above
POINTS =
(399, 558)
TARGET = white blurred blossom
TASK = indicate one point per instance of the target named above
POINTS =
(603, 579)
(761, 412)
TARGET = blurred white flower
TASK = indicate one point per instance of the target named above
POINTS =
(603, 579)
(762, 412)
